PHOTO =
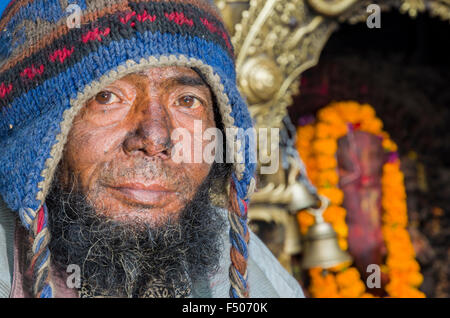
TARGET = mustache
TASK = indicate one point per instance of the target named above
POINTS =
(142, 169)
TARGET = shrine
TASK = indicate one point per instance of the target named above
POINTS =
(362, 107)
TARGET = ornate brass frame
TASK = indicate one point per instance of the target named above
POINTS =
(277, 40)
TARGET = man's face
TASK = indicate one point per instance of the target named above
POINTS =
(118, 153)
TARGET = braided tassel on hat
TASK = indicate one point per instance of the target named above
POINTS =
(40, 261)
(239, 238)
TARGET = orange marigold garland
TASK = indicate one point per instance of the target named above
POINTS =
(317, 146)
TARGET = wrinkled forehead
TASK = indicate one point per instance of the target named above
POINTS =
(166, 77)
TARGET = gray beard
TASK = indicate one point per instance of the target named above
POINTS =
(129, 260)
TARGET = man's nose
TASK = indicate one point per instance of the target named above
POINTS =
(152, 135)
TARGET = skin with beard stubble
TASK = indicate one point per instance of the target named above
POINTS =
(119, 148)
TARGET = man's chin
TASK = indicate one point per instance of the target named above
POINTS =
(149, 217)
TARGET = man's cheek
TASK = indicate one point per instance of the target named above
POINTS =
(195, 173)
(193, 137)
(86, 151)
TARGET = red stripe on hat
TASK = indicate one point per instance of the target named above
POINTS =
(4, 90)
(61, 54)
(40, 220)
(95, 35)
(214, 29)
(127, 17)
(245, 205)
(179, 18)
(32, 71)
(145, 16)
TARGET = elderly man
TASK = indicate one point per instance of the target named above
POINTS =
(87, 171)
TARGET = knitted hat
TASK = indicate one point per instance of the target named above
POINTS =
(48, 71)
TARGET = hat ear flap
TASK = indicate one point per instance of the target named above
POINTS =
(40, 261)
(239, 237)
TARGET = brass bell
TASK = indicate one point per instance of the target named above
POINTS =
(301, 198)
(321, 248)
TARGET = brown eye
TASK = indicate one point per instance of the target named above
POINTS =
(188, 102)
(106, 98)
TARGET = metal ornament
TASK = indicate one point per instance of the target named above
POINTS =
(293, 196)
(280, 39)
(321, 248)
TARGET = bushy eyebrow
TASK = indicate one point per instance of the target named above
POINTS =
(189, 81)
(184, 80)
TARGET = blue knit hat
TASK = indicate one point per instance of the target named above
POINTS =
(48, 71)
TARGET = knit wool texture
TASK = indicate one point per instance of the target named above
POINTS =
(49, 70)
